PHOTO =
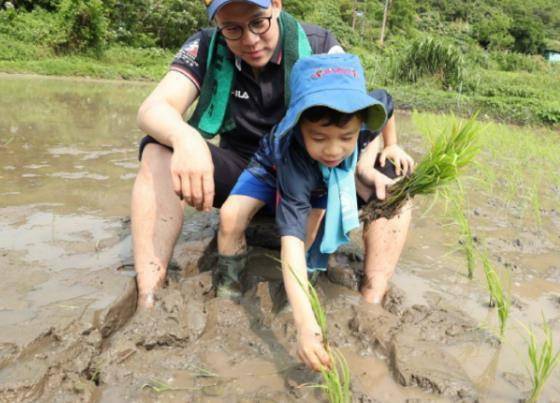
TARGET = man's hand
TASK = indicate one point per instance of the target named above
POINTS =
(404, 164)
(310, 348)
(192, 172)
(368, 178)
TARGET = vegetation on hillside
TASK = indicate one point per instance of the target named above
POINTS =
(437, 54)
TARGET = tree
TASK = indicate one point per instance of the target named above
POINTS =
(528, 35)
(492, 31)
(83, 24)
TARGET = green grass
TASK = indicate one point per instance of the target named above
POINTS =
(517, 166)
(450, 153)
(543, 359)
(498, 296)
(514, 97)
(117, 62)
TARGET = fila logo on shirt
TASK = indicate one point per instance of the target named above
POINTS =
(240, 94)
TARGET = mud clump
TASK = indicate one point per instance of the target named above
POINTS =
(412, 341)
(205, 348)
(422, 364)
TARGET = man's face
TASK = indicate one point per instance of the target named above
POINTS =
(254, 49)
(330, 145)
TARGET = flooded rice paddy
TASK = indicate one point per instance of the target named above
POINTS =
(68, 330)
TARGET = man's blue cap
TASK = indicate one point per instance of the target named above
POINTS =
(333, 80)
(212, 6)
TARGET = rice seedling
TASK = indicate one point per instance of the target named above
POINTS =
(542, 360)
(535, 200)
(160, 386)
(202, 372)
(498, 296)
(451, 151)
(467, 240)
(7, 142)
(336, 380)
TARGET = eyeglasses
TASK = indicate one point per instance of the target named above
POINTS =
(258, 26)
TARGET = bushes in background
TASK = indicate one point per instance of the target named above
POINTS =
(148, 23)
(83, 24)
(429, 57)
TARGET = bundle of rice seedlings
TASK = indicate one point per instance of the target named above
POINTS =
(336, 381)
(498, 296)
(542, 360)
(451, 151)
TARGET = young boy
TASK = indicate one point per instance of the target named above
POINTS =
(309, 163)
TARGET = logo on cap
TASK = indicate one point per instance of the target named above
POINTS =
(208, 2)
(334, 70)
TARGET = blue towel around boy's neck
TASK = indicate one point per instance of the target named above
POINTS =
(342, 212)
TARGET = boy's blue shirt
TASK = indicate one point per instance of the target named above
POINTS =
(297, 177)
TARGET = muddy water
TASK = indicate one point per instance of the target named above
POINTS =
(68, 158)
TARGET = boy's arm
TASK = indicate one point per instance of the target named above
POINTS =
(297, 177)
(310, 340)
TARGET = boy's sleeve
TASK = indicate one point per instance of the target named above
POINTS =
(386, 99)
(296, 180)
(191, 58)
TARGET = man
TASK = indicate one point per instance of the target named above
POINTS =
(240, 72)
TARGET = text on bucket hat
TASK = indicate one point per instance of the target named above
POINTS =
(335, 81)
(212, 6)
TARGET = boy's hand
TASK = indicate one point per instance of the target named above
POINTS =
(404, 164)
(310, 348)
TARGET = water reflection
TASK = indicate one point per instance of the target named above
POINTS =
(68, 142)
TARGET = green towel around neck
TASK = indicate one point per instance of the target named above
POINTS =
(211, 115)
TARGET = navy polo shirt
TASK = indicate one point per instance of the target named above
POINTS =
(256, 104)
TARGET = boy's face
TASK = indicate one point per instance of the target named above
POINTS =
(254, 49)
(330, 145)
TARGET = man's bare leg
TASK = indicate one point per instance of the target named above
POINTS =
(313, 225)
(156, 218)
(384, 241)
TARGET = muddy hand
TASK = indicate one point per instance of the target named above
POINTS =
(310, 349)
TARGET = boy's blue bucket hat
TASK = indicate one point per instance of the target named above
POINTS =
(335, 81)
(212, 6)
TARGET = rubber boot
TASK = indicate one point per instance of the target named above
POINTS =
(229, 273)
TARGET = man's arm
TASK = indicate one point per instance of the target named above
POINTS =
(369, 178)
(404, 163)
(161, 116)
(310, 339)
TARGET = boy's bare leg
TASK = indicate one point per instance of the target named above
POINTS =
(156, 220)
(384, 241)
(235, 215)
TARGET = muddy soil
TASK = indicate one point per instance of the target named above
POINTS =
(69, 330)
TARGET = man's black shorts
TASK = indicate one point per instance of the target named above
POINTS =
(228, 165)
